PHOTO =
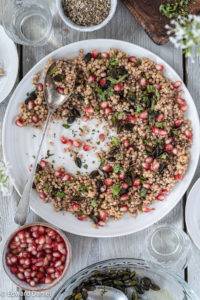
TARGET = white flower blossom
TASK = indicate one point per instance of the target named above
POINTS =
(185, 33)
(5, 184)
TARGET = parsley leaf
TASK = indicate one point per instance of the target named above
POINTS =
(116, 190)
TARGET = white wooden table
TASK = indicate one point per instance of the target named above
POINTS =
(89, 250)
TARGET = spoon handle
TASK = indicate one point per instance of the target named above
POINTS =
(23, 206)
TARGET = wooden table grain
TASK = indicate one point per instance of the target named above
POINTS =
(90, 250)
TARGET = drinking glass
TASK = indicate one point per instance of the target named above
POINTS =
(28, 22)
(169, 246)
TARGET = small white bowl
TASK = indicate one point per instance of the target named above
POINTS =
(40, 287)
(71, 24)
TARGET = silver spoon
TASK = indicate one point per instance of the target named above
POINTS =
(106, 293)
(53, 100)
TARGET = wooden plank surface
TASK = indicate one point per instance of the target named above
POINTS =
(87, 250)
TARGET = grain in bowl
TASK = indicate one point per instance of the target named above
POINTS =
(144, 160)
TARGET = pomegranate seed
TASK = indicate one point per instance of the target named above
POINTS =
(183, 108)
(168, 141)
(19, 122)
(132, 59)
(58, 263)
(50, 270)
(144, 115)
(162, 132)
(95, 54)
(136, 183)
(42, 195)
(51, 233)
(178, 122)
(147, 209)
(32, 283)
(14, 270)
(105, 55)
(35, 119)
(21, 235)
(108, 182)
(60, 90)
(149, 160)
(104, 104)
(63, 140)
(56, 254)
(118, 87)
(126, 143)
(155, 130)
(177, 84)
(59, 173)
(169, 147)
(102, 137)
(188, 134)
(30, 105)
(89, 110)
(121, 176)
(75, 206)
(175, 151)
(159, 67)
(66, 177)
(160, 197)
(160, 118)
(87, 147)
(107, 168)
(101, 223)
(20, 276)
(39, 87)
(13, 259)
(41, 240)
(33, 274)
(125, 185)
(146, 186)
(124, 197)
(48, 280)
(155, 165)
(102, 82)
(43, 163)
(124, 208)
(77, 144)
(103, 215)
(108, 110)
(91, 78)
(146, 166)
(143, 82)
(82, 218)
(178, 177)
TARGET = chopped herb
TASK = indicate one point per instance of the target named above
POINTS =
(49, 154)
(138, 109)
(78, 162)
(83, 188)
(34, 135)
(117, 169)
(33, 156)
(66, 126)
(115, 141)
(116, 190)
(175, 9)
(164, 156)
(115, 81)
(93, 203)
(143, 192)
(60, 194)
(85, 166)
(113, 62)
(160, 124)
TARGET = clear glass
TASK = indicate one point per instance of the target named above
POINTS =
(173, 287)
(28, 22)
(169, 246)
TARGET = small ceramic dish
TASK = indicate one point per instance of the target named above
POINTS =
(33, 268)
(72, 25)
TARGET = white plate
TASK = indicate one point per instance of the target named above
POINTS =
(17, 143)
(9, 61)
(192, 213)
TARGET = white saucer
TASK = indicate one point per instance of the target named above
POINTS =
(10, 62)
(192, 213)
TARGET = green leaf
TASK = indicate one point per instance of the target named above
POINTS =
(116, 190)
(60, 194)
(117, 168)
(115, 141)
(115, 81)
(143, 192)
(113, 62)
(138, 109)
(93, 203)
(83, 188)
(66, 126)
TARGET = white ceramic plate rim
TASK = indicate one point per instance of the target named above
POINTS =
(126, 225)
(192, 208)
(12, 64)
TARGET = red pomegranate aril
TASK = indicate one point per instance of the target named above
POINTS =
(56, 254)
(121, 176)
(155, 165)
(102, 82)
(66, 177)
(160, 197)
(14, 270)
(169, 147)
(125, 185)
(102, 137)
(178, 122)
(19, 122)
(30, 105)
(89, 110)
(58, 263)
(136, 183)
(130, 119)
(132, 59)
(63, 140)
(177, 84)
(48, 280)
(124, 197)
(76, 144)
(105, 55)
(42, 196)
(160, 118)
(146, 166)
(87, 147)
(104, 104)
(149, 160)
(124, 208)
(50, 270)
(144, 115)
(61, 248)
(13, 259)
(159, 67)
(108, 182)
(126, 143)
(35, 119)
(143, 82)
(155, 130)
(178, 177)
(95, 54)
(60, 90)
(118, 87)
(32, 283)
(108, 110)
(146, 186)
(103, 215)
(107, 168)
(20, 276)
(40, 87)
(175, 151)
(147, 209)
(91, 78)
(188, 134)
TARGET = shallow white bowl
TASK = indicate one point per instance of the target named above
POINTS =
(22, 143)
(72, 25)
(41, 287)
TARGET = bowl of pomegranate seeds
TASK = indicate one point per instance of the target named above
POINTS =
(36, 256)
